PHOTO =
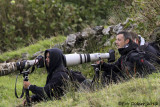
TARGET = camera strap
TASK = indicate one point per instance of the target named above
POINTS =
(16, 89)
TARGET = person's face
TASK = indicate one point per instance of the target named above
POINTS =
(47, 59)
(120, 41)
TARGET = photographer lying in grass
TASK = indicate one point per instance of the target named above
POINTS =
(131, 63)
(56, 80)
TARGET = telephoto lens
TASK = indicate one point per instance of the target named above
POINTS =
(76, 59)
(69, 60)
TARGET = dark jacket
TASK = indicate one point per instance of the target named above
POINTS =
(152, 52)
(155, 45)
(55, 83)
(131, 63)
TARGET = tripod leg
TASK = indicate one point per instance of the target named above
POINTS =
(27, 90)
(95, 81)
(27, 98)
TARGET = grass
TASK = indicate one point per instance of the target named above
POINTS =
(30, 50)
(7, 87)
(137, 91)
(7, 82)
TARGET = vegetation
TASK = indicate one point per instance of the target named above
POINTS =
(39, 46)
(131, 93)
(28, 22)
(146, 14)
(24, 22)
(137, 92)
(7, 87)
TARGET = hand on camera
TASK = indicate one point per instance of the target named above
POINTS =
(26, 84)
(100, 62)
(40, 63)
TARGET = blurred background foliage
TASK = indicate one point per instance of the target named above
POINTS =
(24, 22)
(146, 14)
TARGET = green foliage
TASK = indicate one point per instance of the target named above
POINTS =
(145, 13)
(23, 22)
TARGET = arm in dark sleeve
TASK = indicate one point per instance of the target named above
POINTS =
(151, 49)
(53, 87)
(141, 62)
(114, 67)
(38, 91)
(111, 72)
(36, 98)
(152, 54)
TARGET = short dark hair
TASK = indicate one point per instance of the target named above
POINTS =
(135, 36)
(127, 35)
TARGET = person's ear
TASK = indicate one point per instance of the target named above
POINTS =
(127, 41)
(137, 42)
